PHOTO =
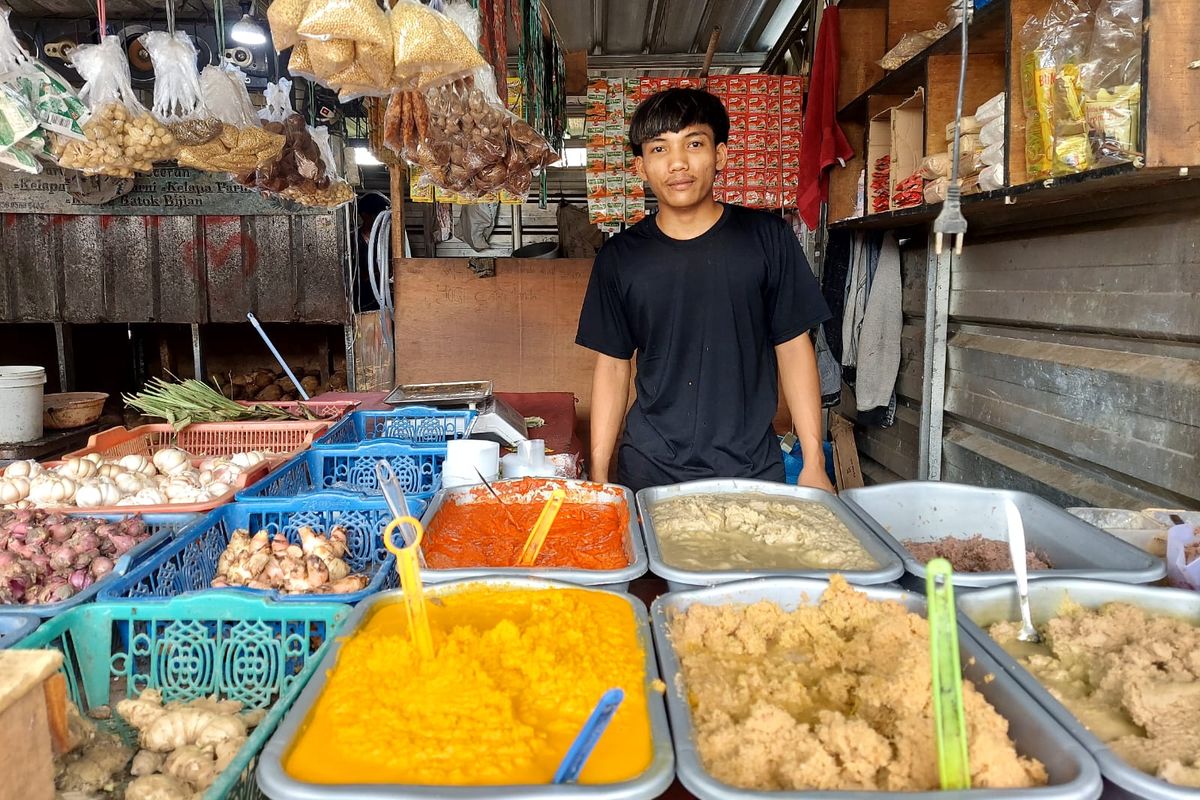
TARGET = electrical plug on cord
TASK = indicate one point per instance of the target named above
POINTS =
(951, 220)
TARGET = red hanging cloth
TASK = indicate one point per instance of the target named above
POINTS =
(822, 143)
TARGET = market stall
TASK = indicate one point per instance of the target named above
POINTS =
(364, 553)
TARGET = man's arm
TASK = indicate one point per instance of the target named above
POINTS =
(610, 393)
(802, 390)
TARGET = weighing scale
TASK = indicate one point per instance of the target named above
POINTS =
(497, 421)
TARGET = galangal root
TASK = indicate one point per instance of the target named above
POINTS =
(314, 566)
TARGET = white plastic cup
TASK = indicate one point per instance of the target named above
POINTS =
(464, 457)
(21, 403)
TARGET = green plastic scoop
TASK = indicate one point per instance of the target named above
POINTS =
(950, 723)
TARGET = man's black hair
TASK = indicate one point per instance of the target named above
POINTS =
(673, 110)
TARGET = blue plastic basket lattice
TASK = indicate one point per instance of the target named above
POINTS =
(161, 527)
(412, 425)
(351, 471)
(14, 627)
(240, 648)
(190, 563)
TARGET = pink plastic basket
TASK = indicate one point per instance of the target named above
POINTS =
(282, 439)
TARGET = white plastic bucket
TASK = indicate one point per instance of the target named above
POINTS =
(21, 403)
(464, 456)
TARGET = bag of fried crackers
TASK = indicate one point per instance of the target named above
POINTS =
(122, 137)
(241, 145)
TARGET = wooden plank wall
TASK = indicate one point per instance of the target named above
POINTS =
(181, 269)
(1074, 364)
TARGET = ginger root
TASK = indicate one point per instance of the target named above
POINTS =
(142, 711)
(314, 566)
(192, 764)
(146, 762)
(157, 787)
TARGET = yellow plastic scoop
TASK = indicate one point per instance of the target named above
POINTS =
(410, 581)
(537, 536)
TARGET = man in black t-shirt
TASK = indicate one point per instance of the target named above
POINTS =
(717, 301)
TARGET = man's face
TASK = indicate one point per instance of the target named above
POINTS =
(681, 167)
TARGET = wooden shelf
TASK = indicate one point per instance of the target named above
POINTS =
(1058, 201)
(988, 32)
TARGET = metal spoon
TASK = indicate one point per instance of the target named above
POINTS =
(1016, 550)
(503, 505)
(396, 501)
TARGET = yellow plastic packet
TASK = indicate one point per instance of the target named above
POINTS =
(284, 17)
(429, 44)
(353, 20)
(1113, 117)
(329, 58)
(1072, 154)
(377, 61)
(299, 64)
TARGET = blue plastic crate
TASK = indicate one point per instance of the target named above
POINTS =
(162, 528)
(793, 462)
(14, 627)
(240, 648)
(351, 472)
(190, 563)
(411, 425)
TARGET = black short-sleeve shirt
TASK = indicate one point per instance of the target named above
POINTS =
(703, 316)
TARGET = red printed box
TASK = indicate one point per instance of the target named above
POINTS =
(735, 159)
(790, 198)
(789, 159)
(791, 84)
(790, 139)
(735, 195)
(738, 84)
(773, 198)
(774, 160)
(791, 121)
(756, 198)
(756, 139)
(791, 104)
(757, 103)
(761, 122)
(756, 178)
(791, 177)
(756, 159)
(763, 84)
(737, 104)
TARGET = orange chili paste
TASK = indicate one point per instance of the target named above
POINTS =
(474, 531)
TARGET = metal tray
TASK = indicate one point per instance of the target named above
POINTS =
(617, 579)
(430, 393)
(890, 567)
(932, 510)
(987, 606)
(276, 784)
(1072, 772)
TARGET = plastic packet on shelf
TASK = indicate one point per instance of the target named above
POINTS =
(178, 103)
(51, 100)
(992, 155)
(1037, 78)
(348, 20)
(938, 165)
(967, 125)
(991, 178)
(911, 44)
(122, 136)
(1113, 122)
(990, 110)
(992, 133)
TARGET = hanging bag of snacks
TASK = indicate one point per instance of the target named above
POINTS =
(241, 146)
(177, 100)
(430, 50)
(122, 136)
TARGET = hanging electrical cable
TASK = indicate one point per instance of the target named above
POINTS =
(951, 220)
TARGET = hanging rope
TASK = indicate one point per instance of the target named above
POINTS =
(102, 16)
(171, 18)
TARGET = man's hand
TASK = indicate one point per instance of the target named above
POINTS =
(814, 477)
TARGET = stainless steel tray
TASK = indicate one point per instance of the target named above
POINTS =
(609, 578)
(987, 606)
(430, 393)
(929, 510)
(890, 567)
(1072, 772)
(276, 784)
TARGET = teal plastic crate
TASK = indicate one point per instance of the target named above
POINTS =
(241, 648)
(410, 425)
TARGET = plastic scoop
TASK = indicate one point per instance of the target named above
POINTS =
(537, 536)
(410, 581)
(950, 723)
(568, 771)
(397, 502)
(1016, 551)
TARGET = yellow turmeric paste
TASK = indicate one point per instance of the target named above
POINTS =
(514, 676)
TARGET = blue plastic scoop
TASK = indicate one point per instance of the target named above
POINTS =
(589, 735)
